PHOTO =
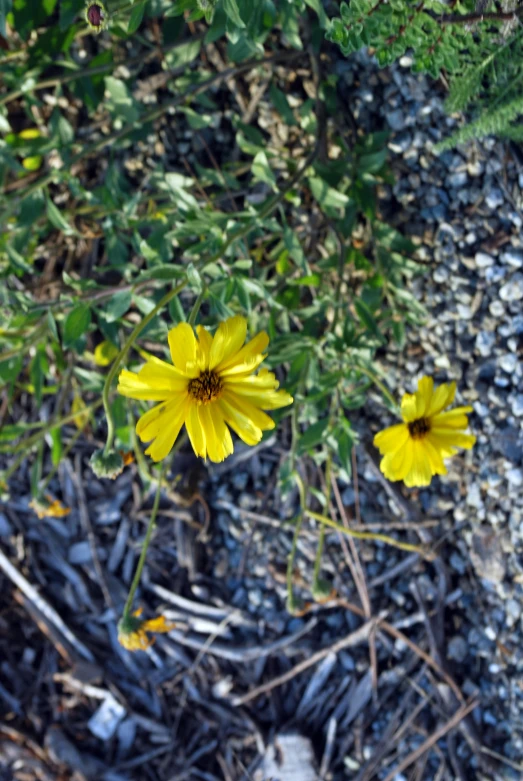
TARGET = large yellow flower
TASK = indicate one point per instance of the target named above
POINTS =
(414, 450)
(210, 387)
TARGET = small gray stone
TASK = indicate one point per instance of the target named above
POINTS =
(5, 527)
(487, 555)
(517, 405)
(396, 119)
(457, 648)
(494, 198)
(496, 309)
(483, 260)
(512, 257)
(515, 477)
(485, 341)
(495, 274)
(508, 362)
(401, 142)
(513, 289)
(458, 179)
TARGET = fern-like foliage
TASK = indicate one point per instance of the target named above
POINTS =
(474, 43)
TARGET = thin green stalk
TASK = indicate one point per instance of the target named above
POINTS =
(422, 551)
(122, 354)
(196, 308)
(145, 546)
(316, 581)
(386, 392)
(291, 602)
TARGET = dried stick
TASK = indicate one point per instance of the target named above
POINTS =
(427, 745)
(359, 636)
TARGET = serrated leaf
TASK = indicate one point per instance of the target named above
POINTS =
(313, 435)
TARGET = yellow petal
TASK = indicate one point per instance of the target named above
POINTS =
(158, 625)
(442, 397)
(409, 407)
(424, 395)
(445, 439)
(420, 473)
(218, 444)
(395, 465)
(227, 341)
(454, 419)
(264, 399)
(204, 347)
(182, 344)
(195, 430)
(249, 355)
(259, 418)
(391, 438)
(240, 423)
(135, 387)
(172, 423)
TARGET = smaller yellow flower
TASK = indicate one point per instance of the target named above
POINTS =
(49, 507)
(413, 451)
(132, 630)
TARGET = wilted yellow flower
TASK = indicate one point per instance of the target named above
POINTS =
(132, 631)
(210, 387)
(414, 450)
(49, 507)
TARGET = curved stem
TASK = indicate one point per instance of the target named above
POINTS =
(122, 354)
(422, 551)
(292, 554)
(145, 546)
(386, 392)
(196, 308)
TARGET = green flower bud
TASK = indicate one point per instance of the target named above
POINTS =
(207, 8)
(107, 464)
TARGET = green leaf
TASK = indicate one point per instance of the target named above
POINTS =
(233, 12)
(332, 201)
(5, 7)
(56, 445)
(261, 170)
(56, 219)
(136, 17)
(76, 323)
(117, 306)
(313, 435)
(367, 318)
(183, 55)
(281, 104)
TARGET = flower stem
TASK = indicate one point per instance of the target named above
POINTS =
(123, 353)
(291, 603)
(196, 308)
(383, 388)
(421, 550)
(145, 546)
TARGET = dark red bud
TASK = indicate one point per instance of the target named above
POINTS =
(95, 15)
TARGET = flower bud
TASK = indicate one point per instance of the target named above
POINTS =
(96, 16)
(106, 464)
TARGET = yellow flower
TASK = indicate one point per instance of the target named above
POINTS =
(414, 450)
(49, 507)
(210, 387)
(132, 631)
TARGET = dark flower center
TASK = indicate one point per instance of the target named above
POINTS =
(206, 387)
(95, 15)
(419, 428)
